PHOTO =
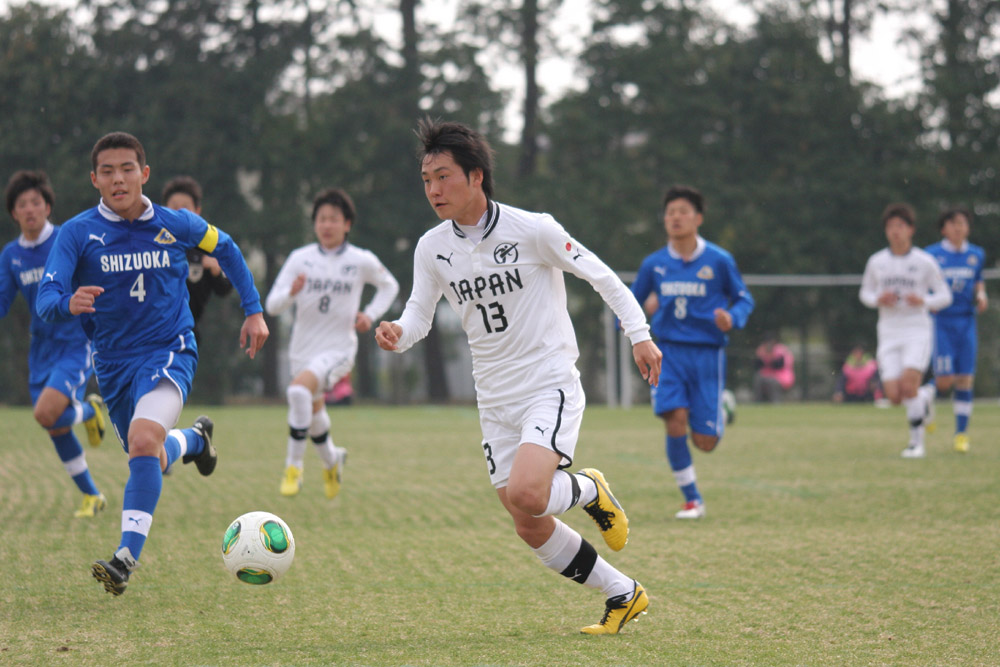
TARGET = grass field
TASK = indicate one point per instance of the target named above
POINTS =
(821, 547)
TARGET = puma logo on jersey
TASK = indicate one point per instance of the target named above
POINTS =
(446, 259)
(135, 261)
(16, 261)
(51, 276)
(662, 270)
(164, 237)
(100, 239)
(541, 430)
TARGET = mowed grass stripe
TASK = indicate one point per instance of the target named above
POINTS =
(821, 546)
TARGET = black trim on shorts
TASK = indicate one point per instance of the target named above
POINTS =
(555, 430)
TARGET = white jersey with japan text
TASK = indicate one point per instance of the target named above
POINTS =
(326, 307)
(509, 291)
(916, 272)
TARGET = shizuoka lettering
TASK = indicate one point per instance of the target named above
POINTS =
(493, 285)
(135, 261)
(32, 276)
(682, 288)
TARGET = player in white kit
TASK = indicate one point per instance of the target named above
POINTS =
(323, 281)
(501, 269)
(905, 283)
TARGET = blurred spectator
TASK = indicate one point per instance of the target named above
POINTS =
(340, 393)
(775, 366)
(858, 380)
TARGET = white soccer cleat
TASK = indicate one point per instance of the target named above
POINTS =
(913, 451)
(693, 509)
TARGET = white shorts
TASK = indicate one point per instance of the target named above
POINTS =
(549, 419)
(896, 354)
(328, 368)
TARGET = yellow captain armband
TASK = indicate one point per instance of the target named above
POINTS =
(210, 239)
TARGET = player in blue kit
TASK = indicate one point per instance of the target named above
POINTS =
(59, 356)
(955, 341)
(700, 296)
(121, 267)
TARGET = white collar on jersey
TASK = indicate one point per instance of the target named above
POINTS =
(950, 247)
(108, 214)
(698, 249)
(333, 251)
(492, 216)
(42, 237)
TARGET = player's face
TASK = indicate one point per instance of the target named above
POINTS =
(899, 234)
(451, 194)
(30, 213)
(956, 229)
(331, 226)
(681, 219)
(119, 178)
(180, 200)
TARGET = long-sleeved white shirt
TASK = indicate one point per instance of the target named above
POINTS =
(509, 291)
(326, 307)
(916, 272)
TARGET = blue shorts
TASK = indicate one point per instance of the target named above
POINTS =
(126, 379)
(955, 345)
(64, 366)
(693, 377)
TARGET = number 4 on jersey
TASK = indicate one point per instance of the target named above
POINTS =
(138, 289)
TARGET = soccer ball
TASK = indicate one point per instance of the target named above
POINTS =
(258, 547)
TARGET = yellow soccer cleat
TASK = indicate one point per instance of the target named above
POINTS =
(331, 481)
(291, 483)
(961, 443)
(331, 477)
(606, 512)
(95, 425)
(90, 506)
(618, 612)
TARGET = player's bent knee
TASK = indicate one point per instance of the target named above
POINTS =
(45, 418)
(703, 442)
(527, 499)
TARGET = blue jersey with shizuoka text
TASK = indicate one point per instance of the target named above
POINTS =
(142, 266)
(689, 291)
(962, 269)
(22, 266)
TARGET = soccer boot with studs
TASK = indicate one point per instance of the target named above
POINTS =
(618, 612)
(332, 476)
(961, 443)
(114, 573)
(606, 512)
(208, 457)
(291, 482)
(95, 425)
(90, 506)
(693, 509)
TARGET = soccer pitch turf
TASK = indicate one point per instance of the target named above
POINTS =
(821, 546)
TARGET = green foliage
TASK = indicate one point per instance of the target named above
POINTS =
(821, 546)
(266, 104)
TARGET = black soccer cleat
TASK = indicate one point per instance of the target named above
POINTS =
(114, 573)
(207, 459)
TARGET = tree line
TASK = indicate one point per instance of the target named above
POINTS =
(266, 103)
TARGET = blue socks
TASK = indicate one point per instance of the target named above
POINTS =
(182, 442)
(142, 492)
(71, 454)
(68, 417)
(679, 457)
(962, 402)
